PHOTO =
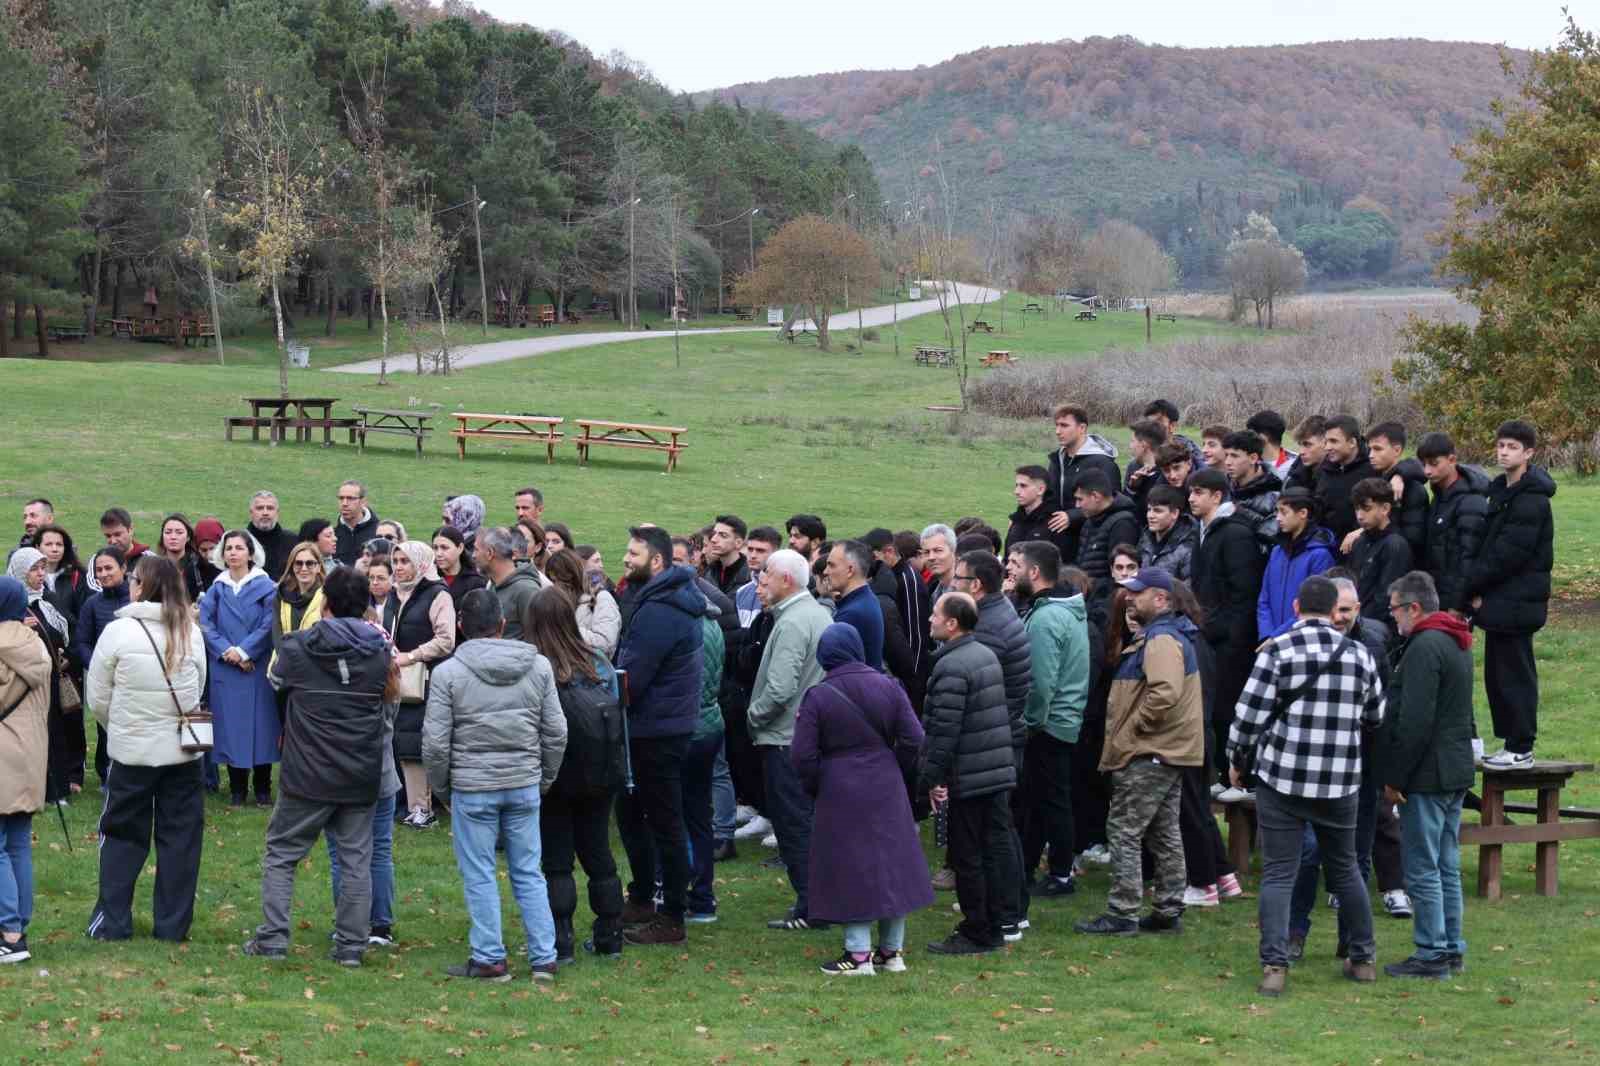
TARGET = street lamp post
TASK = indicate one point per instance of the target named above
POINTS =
(483, 282)
(754, 211)
(633, 305)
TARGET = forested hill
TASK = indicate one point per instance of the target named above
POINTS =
(1182, 141)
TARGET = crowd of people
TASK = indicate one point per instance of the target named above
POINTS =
(1228, 621)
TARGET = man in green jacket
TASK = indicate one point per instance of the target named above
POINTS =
(1427, 769)
(1058, 645)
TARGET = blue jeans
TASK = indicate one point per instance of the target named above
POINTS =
(382, 863)
(478, 821)
(699, 785)
(16, 872)
(891, 935)
(723, 804)
(1430, 832)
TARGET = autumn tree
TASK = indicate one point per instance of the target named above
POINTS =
(1049, 249)
(1263, 268)
(1122, 261)
(805, 264)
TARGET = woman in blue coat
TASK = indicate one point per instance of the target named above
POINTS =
(236, 618)
(854, 732)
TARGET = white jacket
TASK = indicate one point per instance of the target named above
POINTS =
(600, 621)
(128, 690)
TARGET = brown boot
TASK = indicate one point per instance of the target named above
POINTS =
(1365, 972)
(637, 913)
(659, 930)
(1274, 979)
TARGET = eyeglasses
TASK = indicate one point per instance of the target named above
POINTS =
(305, 564)
(1396, 608)
(962, 578)
(348, 499)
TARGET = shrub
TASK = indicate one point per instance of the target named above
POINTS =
(869, 334)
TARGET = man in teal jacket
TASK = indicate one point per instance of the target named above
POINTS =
(1058, 644)
(1426, 755)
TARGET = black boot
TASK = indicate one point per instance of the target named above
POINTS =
(565, 939)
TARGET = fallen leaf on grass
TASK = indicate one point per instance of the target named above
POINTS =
(311, 993)
(1505, 1001)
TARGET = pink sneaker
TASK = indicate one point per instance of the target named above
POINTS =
(1228, 887)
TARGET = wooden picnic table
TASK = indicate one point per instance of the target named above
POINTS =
(1000, 357)
(978, 324)
(1085, 316)
(1554, 824)
(409, 422)
(122, 327)
(630, 435)
(538, 428)
(66, 333)
(928, 355)
(279, 419)
(1166, 318)
(1032, 309)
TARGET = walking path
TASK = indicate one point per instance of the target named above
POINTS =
(473, 355)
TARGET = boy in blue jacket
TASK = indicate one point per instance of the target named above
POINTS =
(1304, 549)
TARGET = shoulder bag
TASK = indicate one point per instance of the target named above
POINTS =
(1286, 700)
(194, 727)
(26, 692)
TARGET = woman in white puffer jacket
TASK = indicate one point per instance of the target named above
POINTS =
(152, 781)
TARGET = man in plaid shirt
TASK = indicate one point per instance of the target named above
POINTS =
(1311, 693)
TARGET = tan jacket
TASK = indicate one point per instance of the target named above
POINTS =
(1156, 707)
(25, 734)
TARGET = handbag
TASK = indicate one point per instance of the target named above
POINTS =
(194, 727)
(69, 697)
(413, 682)
(1286, 700)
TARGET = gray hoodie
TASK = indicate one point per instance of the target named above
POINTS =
(494, 720)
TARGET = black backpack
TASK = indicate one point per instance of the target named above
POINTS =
(594, 759)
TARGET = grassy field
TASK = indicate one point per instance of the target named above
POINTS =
(774, 430)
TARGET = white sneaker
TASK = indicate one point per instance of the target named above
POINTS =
(1509, 760)
(1397, 903)
(1200, 897)
(1477, 749)
(1098, 855)
(1333, 901)
(742, 814)
(1233, 795)
(770, 840)
(1217, 789)
(755, 828)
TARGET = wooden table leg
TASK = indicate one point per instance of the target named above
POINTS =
(1548, 853)
(227, 430)
(1493, 813)
(461, 443)
(255, 424)
(419, 442)
(1239, 823)
(359, 433)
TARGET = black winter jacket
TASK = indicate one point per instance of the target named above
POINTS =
(1065, 470)
(1117, 524)
(277, 543)
(1173, 552)
(1334, 482)
(1426, 743)
(1379, 561)
(1227, 569)
(1410, 514)
(968, 726)
(1512, 569)
(898, 659)
(1456, 518)
(729, 579)
(334, 675)
(1035, 525)
(1257, 505)
(348, 542)
(1001, 631)
(661, 650)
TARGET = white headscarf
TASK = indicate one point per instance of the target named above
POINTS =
(23, 560)
(421, 556)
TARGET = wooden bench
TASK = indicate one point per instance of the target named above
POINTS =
(193, 329)
(547, 315)
(1241, 822)
(1002, 357)
(1032, 309)
(1554, 824)
(978, 324)
(66, 333)
(411, 423)
(540, 429)
(122, 327)
(630, 435)
(276, 427)
(744, 316)
(927, 355)
(1085, 316)
(1166, 318)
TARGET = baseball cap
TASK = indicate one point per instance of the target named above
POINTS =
(1149, 577)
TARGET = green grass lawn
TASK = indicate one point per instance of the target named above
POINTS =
(774, 429)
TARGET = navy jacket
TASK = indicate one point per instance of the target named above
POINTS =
(661, 651)
(861, 612)
(97, 612)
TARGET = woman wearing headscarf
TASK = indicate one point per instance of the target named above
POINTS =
(236, 618)
(150, 666)
(24, 744)
(27, 566)
(453, 559)
(421, 619)
(109, 567)
(465, 515)
(854, 735)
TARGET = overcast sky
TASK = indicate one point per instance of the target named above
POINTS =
(706, 44)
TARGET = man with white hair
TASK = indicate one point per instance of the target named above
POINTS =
(265, 526)
(495, 553)
(939, 553)
(788, 669)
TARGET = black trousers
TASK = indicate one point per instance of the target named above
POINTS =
(239, 779)
(1204, 856)
(1091, 789)
(1047, 801)
(1233, 670)
(172, 799)
(577, 826)
(980, 849)
(66, 752)
(102, 759)
(745, 764)
(790, 808)
(1511, 681)
(650, 822)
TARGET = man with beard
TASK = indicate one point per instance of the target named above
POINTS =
(276, 541)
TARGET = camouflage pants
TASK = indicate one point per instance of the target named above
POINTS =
(1144, 810)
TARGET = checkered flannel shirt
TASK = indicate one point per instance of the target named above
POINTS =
(1313, 749)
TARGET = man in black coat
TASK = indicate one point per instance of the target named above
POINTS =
(1110, 518)
(1080, 451)
(357, 523)
(1036, 505)
(1226, 569)
(275, 541)
(1311, 436)
(967, 764)
(911, 597)
(1386, 447)
(1379, 555)
(1510, 588)
(1347, 462)
(724, 554)
(881, 575)
(1456, 517)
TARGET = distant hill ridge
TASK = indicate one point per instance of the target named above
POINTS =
(1110, 127)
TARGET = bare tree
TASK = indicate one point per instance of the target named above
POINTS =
(1262, 267)
(1122, 261)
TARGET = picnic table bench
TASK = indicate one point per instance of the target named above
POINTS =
(1166, 318)
(411, 423)
(196, 329)
(66, 333)
(978, 324)
(1241, 821)
(1555, 823)
(540, 429)
(1002, 357)
(547, 315)
(1032, 309)
(122, 327)
(278, 419)
(629, 435)
(1085, 315)
(927, 355)
(744, 314)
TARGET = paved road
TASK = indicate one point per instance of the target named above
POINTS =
(522, 347)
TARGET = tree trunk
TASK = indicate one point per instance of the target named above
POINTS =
(819, 319)
(16, 321)
(116, 291)
(381, 298)
(94, 285)
(283, 349)
(333, 308)
(372, 302)
(444, 335)
(38, 324)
